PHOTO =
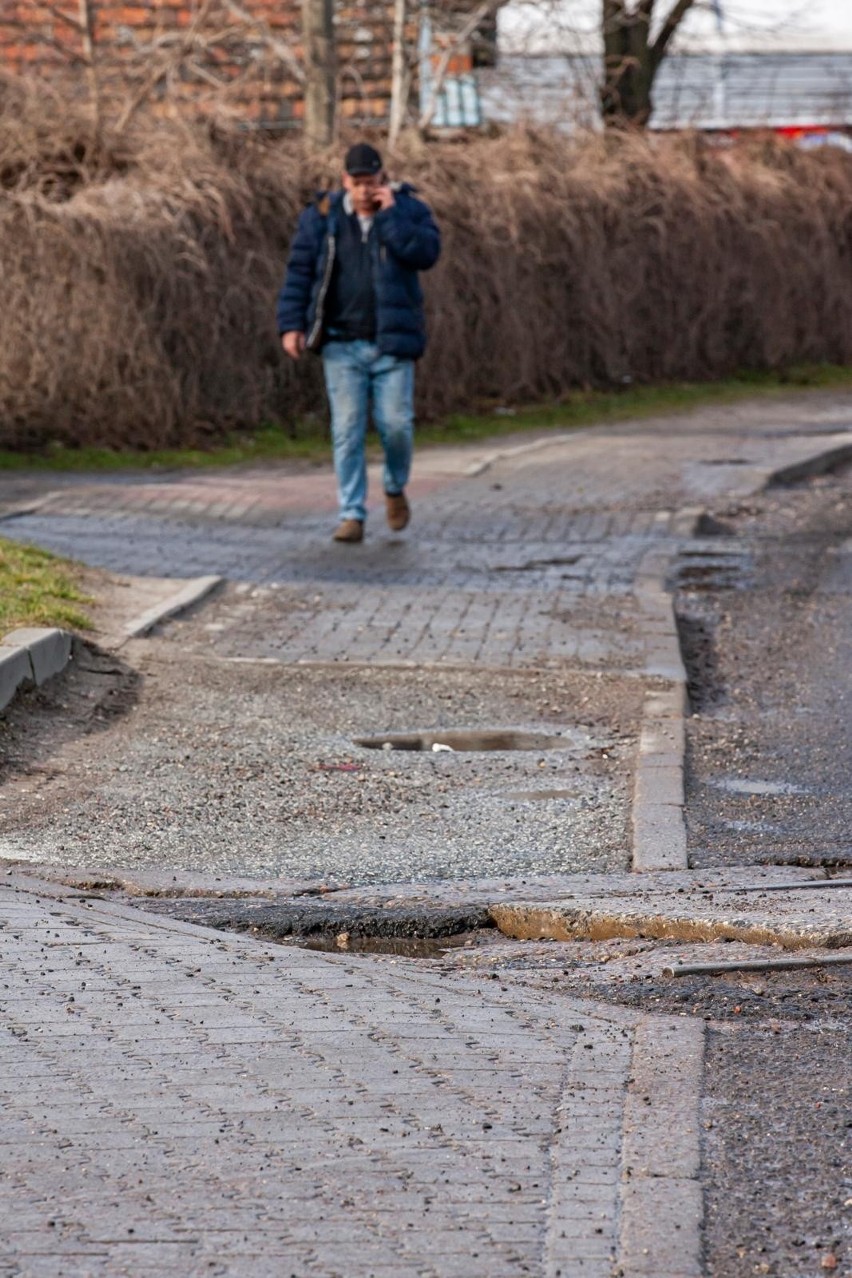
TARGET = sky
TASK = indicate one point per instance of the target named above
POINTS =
(817, 24)
(747, 24)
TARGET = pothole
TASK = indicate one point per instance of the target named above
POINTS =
(707, 576)
(400, 946)
(709, 526)
(413, 932)
(461, 742)
(743, 785)
(697, 638)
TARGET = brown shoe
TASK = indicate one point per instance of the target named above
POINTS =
(397, 510)
(349, 530)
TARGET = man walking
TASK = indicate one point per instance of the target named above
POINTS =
(351, 291)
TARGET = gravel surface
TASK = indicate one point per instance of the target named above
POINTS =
(777, 1117)
(252, 769)
(765, 609)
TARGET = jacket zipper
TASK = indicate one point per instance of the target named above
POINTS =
(321, 296)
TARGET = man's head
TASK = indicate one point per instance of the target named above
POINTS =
(362, 176)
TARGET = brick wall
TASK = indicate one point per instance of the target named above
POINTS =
(201, 50)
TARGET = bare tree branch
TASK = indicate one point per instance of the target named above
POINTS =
(668, 29)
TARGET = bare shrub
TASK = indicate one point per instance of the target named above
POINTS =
(138, 271)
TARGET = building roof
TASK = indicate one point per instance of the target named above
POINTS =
(705, 91)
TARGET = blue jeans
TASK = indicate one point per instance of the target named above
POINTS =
(358, 377)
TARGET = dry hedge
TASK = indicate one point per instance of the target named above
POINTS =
(139, 271)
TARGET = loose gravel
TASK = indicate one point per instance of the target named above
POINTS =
(251, 769)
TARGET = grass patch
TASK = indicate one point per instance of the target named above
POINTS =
(257, 445)
(592, 408)
(582, 408)
(39, 589)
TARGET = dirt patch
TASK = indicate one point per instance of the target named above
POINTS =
(96, 690)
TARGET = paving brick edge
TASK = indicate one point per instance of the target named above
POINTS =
(657, 812)
(662, 1203)
(561, 921)
(192, 592)
(506, 454)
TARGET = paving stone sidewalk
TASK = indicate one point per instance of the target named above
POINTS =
(524, 554)
(180, 1102)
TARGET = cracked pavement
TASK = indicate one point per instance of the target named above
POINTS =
(195, 1101)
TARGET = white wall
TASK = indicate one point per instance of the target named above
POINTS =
(550, 26)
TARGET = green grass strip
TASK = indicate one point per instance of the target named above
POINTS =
(309, 440)
(39, 589)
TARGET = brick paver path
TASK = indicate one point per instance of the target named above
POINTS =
(530, 562)
(179, 1102)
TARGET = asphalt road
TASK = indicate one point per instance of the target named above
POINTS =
(765, 609)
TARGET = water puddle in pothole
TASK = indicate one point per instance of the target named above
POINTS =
(743, 785)
(397, 946)
(706, 576)
(461, 742)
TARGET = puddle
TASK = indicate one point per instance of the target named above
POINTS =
(461, 742)
(532, 564)
(708, 576)
(400, 946)
(741, 785)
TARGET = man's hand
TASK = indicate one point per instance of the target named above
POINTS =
(383, 197)
(294, 344)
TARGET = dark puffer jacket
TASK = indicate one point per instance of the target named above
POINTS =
(405, 241)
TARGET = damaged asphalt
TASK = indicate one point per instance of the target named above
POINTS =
(225, 751)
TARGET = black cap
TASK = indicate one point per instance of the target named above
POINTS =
(362, 160)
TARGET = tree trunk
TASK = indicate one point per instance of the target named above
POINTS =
(399, 76)
(626, 91)
(320, 72)
(632, 59)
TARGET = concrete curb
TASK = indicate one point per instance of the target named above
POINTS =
(191, 593)
(31, 656)
(817, 464)
(662, 1206)
(659, 829)
(659, 826)
(505, 454)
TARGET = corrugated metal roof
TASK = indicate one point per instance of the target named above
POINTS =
(704, 91)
